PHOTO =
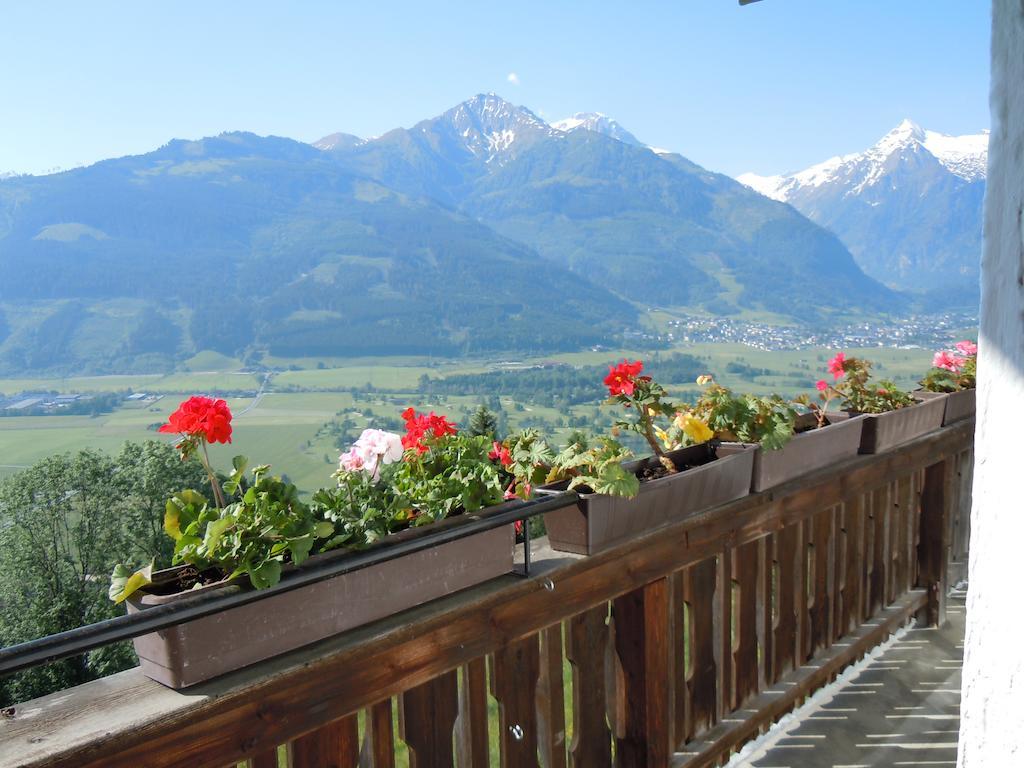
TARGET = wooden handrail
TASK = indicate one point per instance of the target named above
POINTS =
(669, 635)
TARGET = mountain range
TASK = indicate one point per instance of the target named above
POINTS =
(483, 229)
(908, 208)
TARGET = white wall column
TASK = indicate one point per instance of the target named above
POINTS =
(992, 709)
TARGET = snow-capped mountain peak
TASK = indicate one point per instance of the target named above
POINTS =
(489, 126)
(907, 143)
(595, 121)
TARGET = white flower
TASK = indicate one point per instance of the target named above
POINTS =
(373, 448)
(387, 445)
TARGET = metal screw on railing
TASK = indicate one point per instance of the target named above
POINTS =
(549, 585)
(517, 732)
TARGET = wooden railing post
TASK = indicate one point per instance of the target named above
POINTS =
(335, 745)
(427, 719)
(586, 644)
(379, 739)
(514, 677)
(933, 549)
(471, 742)
(641, 642)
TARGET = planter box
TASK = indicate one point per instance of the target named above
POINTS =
(883, 431)
(217, 644)
(808, 451)
(959, 405)
(598, 522)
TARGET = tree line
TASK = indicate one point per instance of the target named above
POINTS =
(64, 523)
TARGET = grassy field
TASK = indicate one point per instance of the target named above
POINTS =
(283, 428)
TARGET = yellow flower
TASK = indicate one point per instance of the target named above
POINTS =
(693, 427)
(665, 438)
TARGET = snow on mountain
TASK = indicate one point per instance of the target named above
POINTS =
(595, 121)
(963, 156)
(491, 128)
(908, 208)
(488, 126)
(338, 141)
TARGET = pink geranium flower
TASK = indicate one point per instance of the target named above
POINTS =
(947, 361)
(966, 348)
(835, 365)
(821, 384)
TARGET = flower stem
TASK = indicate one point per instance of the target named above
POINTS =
(217, 494)
(666, 462)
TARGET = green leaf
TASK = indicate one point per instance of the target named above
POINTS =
(614, 480)
(266, 574)
(124, 583)
(300, 547)
(172, 520)
(214, 531)
(183, 507)
(323, 529)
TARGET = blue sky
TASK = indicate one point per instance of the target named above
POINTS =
(770, 87)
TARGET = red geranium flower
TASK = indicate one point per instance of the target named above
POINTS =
(419, 425)
(821, 384)
(201, 417)
(500, 453)
(622, 378)
(835, 365)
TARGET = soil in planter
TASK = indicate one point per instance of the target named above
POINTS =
(658, 472)
(808, 422)
(187, 579)
(650, 473)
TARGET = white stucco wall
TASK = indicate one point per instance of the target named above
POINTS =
(992, 710)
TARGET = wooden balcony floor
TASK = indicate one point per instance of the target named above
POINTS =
(901, 708)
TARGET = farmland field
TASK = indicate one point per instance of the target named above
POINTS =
(286, 426)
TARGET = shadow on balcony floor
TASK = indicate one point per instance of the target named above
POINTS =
(901, 707)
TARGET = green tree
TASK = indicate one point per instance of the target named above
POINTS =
(148, 474)
(483, 423)
(64, 523)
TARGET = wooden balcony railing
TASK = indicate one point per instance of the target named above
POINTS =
(680, 646)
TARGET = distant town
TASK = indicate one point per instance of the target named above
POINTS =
(924, 331)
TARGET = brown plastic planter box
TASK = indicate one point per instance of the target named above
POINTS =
(959, 405)
(883, 431)
(598, 522)
(808, 451)
(217, 644)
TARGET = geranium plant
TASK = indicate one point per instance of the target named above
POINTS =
(953, 369)
(645, 399)
(262, 528)
(198, 421)
(856, 390)
(363, 508)
(721, 414)
(388, 482)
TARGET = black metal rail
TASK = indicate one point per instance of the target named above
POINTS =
(83, 639)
